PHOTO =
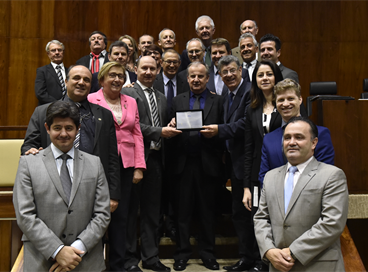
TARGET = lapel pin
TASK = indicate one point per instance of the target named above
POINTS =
(125, 106)
(99, 119)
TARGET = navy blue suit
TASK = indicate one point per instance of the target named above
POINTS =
(272, 154)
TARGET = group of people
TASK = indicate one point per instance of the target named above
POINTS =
(122, 108)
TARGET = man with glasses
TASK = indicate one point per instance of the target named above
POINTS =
(50, 79)
(155, 52)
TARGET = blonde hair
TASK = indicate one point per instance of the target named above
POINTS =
(106, 68)
(287, 84)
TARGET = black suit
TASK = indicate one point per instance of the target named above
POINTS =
(184, 61)
(197, 168)
(47, 85)
(95, 85)
(147, 193)
(85, 60)
(104, 145)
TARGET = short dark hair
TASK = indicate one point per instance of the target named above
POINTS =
(118, 44)
(312, 127)
(222, 41)
(153, 47)
(98, 32)
(62, 109)
(273, 38)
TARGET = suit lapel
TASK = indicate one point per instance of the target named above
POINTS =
(144, 99)
(160, 83)
(274, 116)
(279, 187)
(208, 104)
(159, 105)
(236, 102)
(278, 145)
(211, 81)
(77, 174)
(97, 113)
(124, 107)
(304, 179)
(49, 161)
(52, 71)
(259, 116)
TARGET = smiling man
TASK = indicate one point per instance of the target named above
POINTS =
(288, 101)
(248, 26)
(248, 49)
(144, 41)
(61, 199)
(50, 79)
(166, 39)
(98, 56)
(303, 207)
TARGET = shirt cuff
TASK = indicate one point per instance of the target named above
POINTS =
(57, 251)
(78, 244)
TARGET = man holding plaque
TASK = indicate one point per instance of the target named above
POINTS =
(197, 167)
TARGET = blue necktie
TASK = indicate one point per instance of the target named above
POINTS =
(288, 189)
(231, 96)
(170, 95)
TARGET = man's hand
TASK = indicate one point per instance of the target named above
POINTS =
(113, 205)
(280, 259)
(67, 259)
(247, 199)
(172, 123)
(209, 131)
(137, 176)
(33, 151)
(131, 85)
(168, 132)
(286, 250)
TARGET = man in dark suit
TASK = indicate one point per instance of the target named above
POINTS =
(288, 101)
(98, 55)
(220, 47)
(205, 28)
(270, 49)
(197, 166)
(236, 101)
(118, 52)
(97, 133)
(50, 79)
(248, 48)
(248, 26)
(147, 193)
(61, 200)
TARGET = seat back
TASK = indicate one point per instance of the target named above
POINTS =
(9, 159)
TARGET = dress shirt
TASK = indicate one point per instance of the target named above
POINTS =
(101, 59)
(202, 100)
(127, 78)
(166, 80)
(251, 68)
(219, 84)
(70, 165)
(62, 70)
(237, 88)
(297, 174)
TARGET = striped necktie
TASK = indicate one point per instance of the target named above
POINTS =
(155, 116)
(61, 80)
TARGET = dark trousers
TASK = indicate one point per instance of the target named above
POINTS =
(118, 224)
(195, 190)
(145, 195)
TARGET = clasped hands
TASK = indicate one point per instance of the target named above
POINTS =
(67, 259)
(280, 258)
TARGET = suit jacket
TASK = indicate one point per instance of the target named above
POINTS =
(46, 218)
(128, 133)
(253, 142)
(273, 157)
(236, 52)
(159, 84)
(288, 73)
(211, 82)
(211, 149)
(95, 84)
(184, 61)
(105, 145)
(232, 129)
(47, 85)
(314, 220)
(149, 131)
(86, 59)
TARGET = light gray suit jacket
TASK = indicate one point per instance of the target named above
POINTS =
(315, 218)
(48, 221)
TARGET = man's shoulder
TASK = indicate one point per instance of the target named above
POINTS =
(43, 68)
(273, 134)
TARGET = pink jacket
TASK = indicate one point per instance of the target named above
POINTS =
(128, 134)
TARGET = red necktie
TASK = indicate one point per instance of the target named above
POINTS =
(95, 66)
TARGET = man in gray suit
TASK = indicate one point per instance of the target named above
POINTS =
(270, 49)
(61, 200)
(303, 207)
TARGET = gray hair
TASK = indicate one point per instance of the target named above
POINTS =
(226, 60)
(246, 35)
(204, 17)
(195, 39)
(159, 34)
(196, 64)
(255, 24)
(170, 51)
(55, 42)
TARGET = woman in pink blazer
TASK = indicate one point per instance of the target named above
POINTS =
(130, 148)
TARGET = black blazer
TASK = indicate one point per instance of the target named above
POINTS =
(95, 85)
(253, 142)
(233, 128)
(211, 149)
(47, 85)
(105, 144)
(86, 59)
(159, 84)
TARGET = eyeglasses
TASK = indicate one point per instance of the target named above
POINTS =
(114, 75)
(54, 50)
(152, 53)
(192, 52)
(225, 72)
(169, 62)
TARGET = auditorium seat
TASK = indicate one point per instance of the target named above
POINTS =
(9, 158)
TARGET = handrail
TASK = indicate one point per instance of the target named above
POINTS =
(10, 128)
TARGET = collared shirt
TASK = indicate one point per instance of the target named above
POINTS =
(237, 88)
(127, 78)
(70, 166)
(219, 84)
(251, 68)
(166, 81)
(101, 58)
(301, 167)
(62, 69)
(202, 100)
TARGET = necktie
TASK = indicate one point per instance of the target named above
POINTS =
(247, 65)
(208, 56)
(231, 97)
(65, 177)
(95, 65)
(61, 80)
(288, 189)
(197, 104)
(77, 137)
(170, 95)
(156, 118)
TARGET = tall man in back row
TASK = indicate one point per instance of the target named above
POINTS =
(61, 199)
(303, 207)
